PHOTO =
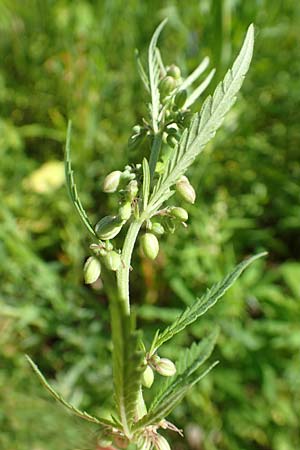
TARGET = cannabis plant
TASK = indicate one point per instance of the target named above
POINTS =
(175, 137)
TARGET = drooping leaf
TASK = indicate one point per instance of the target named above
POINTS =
(84, 415)
(202, 304)
(154, 63)
(204, 124)
(71, 186)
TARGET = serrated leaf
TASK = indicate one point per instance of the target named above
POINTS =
(127, 366)
(204, 124)
(83, 414)
(71, 186)
(141, 70)
(172, 398)
(199, 90)
(195, 74)
(203, 303)
(154, 75)
(146, 183)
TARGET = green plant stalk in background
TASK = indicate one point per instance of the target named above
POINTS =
(176, 137)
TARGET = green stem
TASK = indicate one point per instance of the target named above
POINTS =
(154, 155)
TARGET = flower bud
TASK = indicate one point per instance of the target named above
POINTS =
(112, 260)
(104, 442)
(186, 190)
(180, 98)
(91, 270)
(174, 71)
(150, 245)
(137, 129)
(161, 443)
(125, 211)
(172, 140)
(132, 190)
(147, 377)
(111, 181)
(157, 228)
(167, 85)
(165, 367)
(108, 227)
(179, 213)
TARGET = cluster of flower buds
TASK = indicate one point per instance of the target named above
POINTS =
(163, 366)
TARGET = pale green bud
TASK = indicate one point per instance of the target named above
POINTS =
(112, 260)
(150, 245)
(165, 367)
(108, 227)
(125, 211)
(132, 189)
(104, 442)
(167, 85)
(111, 182)
(186, 190)
(179, 213)
(161, 443)
(148, 377)
(174, 71)
(157, 228)
(180, 98)
(91, 270)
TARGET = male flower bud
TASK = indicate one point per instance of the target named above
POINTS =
(91, 270)
(104, 441)
(165, 367)
(108, 227)
(180, 98)
(174, 71)
(112, 260)
(125, 211)
(147, 377)
(111, 181)
(179, 213)
(167, 85)
(186, 190)
(161, 443)
(150, 245)
(157, 228)
(132, 190)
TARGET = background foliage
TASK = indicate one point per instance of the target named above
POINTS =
(64, 58)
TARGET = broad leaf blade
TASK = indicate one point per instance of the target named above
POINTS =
(205, 124)
(72, 189)
(203, 303)
(84, 415)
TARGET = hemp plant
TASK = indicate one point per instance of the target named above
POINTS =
(175, 137)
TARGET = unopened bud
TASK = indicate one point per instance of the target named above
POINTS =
(180, 98)
(179, 213)
(108, 227)
(148, 377)
(165, 367)
(157, 228)
(161, 443)
(174, 71)
(132, 189)
(125, 211)
(104, 442)
(112, 260)
(91, 270)
(167, 85)
(111, 181)
(150, 245)
(186, 190)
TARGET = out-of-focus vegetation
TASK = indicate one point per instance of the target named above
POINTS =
(75, 59)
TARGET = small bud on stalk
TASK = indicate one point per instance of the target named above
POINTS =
(111, 182)
(125, 211)
(112, 260)
(167, 85)
(157, 228)
(174, 71)
(132, 190)
(150, 245)
(161, 443)
(186, 190)
(180, 98)
(108, 227)
(91, 270)
(179, 213)
(165, 367)
(147, 377)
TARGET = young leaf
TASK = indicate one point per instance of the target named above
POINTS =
(146, 183)
(199, 90)
(141, 70)
(154, 63)
(71, 186)
(203, 303)
(195, 74)
(205, 124)
(84, 415)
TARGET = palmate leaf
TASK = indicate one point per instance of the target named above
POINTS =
(71, 186)
(127, 366)
(202, 304)
(205, 123)
(188, 362)
(82, 414)
(154, 63)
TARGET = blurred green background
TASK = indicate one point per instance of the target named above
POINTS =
(75, 59)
